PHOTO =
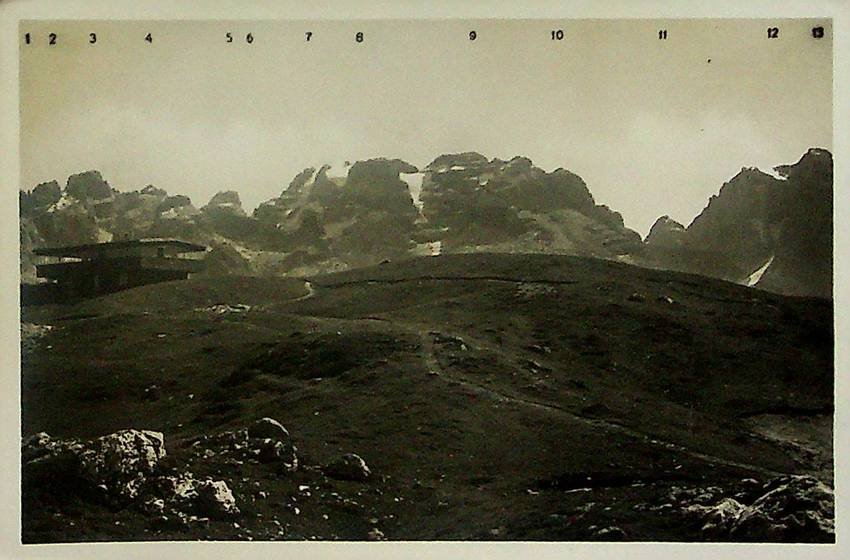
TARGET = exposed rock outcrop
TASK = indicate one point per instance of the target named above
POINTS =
(793, 508)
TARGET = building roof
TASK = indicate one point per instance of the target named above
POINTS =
(83, 251)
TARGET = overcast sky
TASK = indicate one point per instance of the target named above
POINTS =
(653, 126)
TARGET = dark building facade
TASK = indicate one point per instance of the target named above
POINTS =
(100, 268)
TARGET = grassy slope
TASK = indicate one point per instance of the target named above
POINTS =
(464, 381)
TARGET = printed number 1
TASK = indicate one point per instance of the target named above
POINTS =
(27, 38)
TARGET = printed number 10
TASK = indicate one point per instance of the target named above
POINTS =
(557, 34)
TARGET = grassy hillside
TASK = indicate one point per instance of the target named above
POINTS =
(493, 396)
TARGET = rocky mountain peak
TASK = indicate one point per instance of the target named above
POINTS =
(380, 169)
(88, 186)
(151, 190)
(42, 196)
(665, 232)
(225, 201)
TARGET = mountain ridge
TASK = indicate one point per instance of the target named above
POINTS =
(764, 230)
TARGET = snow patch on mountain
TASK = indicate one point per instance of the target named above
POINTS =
(414, 185)
(753, 278)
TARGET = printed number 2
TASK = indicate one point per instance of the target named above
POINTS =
(51, 39)
(772, 32)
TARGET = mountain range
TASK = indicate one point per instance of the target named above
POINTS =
(768, 230)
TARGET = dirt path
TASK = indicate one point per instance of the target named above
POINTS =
(433, 365)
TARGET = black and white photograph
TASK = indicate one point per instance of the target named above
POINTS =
(558, 280)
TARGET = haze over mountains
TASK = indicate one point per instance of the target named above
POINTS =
(768, 230)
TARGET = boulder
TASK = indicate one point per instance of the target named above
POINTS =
(268, 428)
(184, 493)
(120, 462)
(214, 499)
(348, 467)
(123, 460)
(717, 519)
(275, 451)
(375, 534)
